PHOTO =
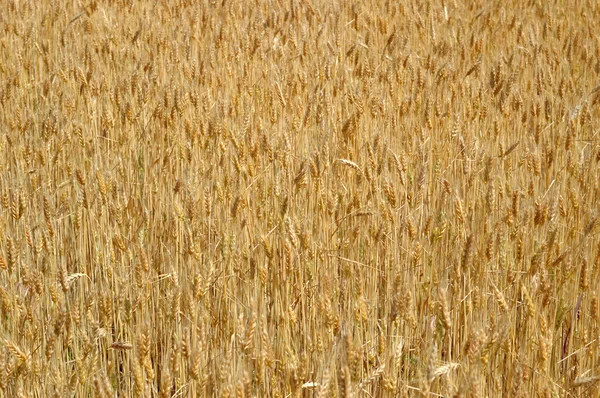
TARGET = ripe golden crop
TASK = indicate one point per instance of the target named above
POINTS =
(299, 198)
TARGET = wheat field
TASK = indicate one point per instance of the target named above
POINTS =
(299, 198)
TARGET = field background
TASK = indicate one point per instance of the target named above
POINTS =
(299, 198)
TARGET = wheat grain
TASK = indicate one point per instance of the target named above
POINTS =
(300, 199)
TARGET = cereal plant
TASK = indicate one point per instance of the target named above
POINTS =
(299, 198)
